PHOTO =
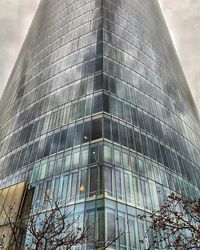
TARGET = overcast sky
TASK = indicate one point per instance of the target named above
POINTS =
(182, 17)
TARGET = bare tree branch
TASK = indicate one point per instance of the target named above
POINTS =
(177, 224)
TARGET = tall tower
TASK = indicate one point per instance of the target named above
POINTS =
(97, 110)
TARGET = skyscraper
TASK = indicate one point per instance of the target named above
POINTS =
(97, 110)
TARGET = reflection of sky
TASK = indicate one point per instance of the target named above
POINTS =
(183, 19)
(15, 19)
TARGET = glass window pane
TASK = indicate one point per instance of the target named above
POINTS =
(78, 134)
(48, 145)
(126, 161)
(73, 190)
(98, 104)
(107, 132)
(132, 233)
(117, 157)
(94, 181)
(98, 82)
(84, 157)
(50, 168)
(55, 143)
(83, 184)
(87, 132)
(107, 154)
(108, 180)
(118, 184)
(106, 103)
(75, 159)
(64, 192)
(138, 143)
(110, 226)
(115, 132)
(113, 106)
(67, 163)
(122, 134)
(62, 140)
(96, 129)
(70, 136)
(122, 228)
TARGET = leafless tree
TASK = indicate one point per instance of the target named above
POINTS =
(53, 228)
(176, 225)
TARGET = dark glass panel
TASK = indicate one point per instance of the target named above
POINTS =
(28, 134)
(94, 181)
(28, 153)
(151, 148)
(97, 105)
(81, 109)
(62, 140)
(98, 82)
(105, 82)
(158, 152)
(122, 226)
(73, 111)
(41, 148)
(170, 159)
(106, 107)
(111, 230)
(88, 105)
(34, 130)
(134, 116)
(108, 180)
(83, 88)
(141, 168)
(130, 138)
(146, 120)
(34, 152)
(107, 131)
(83, 184)
(138, 143)
(164, 156)
(94, 154)
(141, 119)
(113, 106)
(96, 129)
(145, 145)
(73, 190)
(99, 64)
(118, 184)
(78, 134)
(21, 160)
(87, 132)
(70, 137)
(115, 132)
(99, 50)
(132, 233)
(40, 126)
(55, 142)
(120, 109)
(47, 147)
(17, 156)
(176, 162)
(112, 85)
(122, 130)
(127, 113)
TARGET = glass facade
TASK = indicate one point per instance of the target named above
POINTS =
(97, 110)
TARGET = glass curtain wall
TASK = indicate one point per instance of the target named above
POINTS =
(97, 113)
